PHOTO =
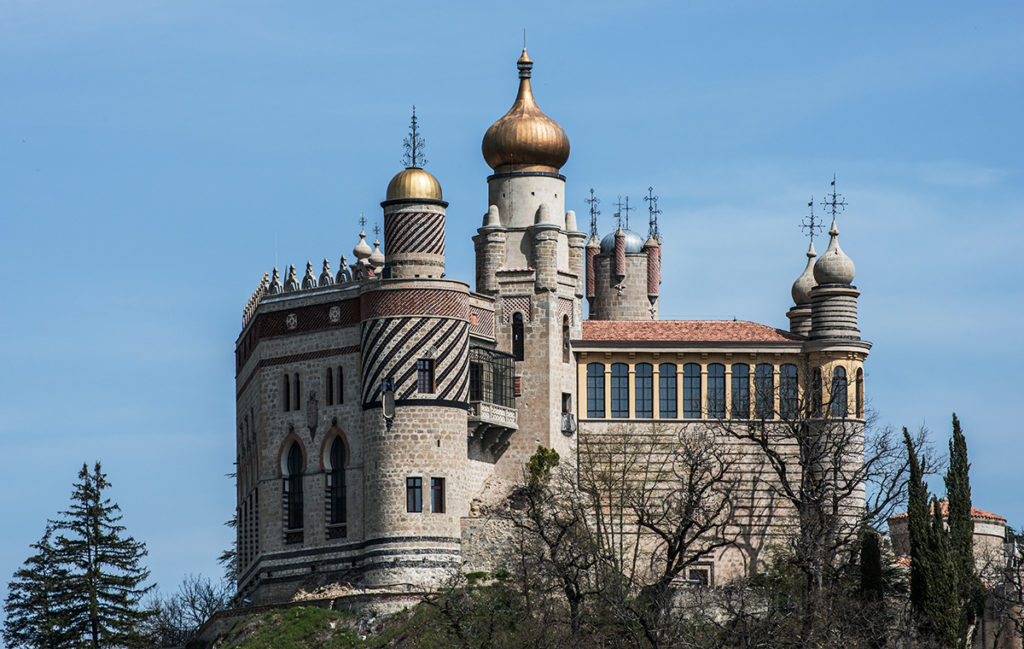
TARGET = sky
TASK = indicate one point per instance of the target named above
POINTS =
(157, 156)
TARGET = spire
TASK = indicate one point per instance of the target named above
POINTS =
(802, 286)
(413, 145)
(593, 201)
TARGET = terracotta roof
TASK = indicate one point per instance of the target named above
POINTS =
(903, 561)
(684, 331)
(944, 506)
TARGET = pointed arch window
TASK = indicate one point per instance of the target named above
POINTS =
(716, 391)
(595, 390)
(620, 390)
(341, 386)
(518, 336)
(643, 386)
(296, 393)
(293, 495)
(691, 391)
(286, 392)
(815, 405)
(337, 502)
(740, 391)
(764, 391)
(329, 386)
(667, 406)
(566, 351)
(839, 403)
(859, 387)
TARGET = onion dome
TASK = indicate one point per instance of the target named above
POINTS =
(362, 250)
(634, 242)
(594, 242)
(376, 258)
(525, 139)
(414, 183)
(802, 286)
(834, 267)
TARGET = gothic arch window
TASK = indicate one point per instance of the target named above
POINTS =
(337, 502)
(667, 407)
(595, 390)
(764, 391)
(293, 494)
(716, 391)
(740, 391)
(620, 390)
(789, 392)
(839, 402)
(691, 391)
(859, 394)
(341, 385)
(296, 393)
(329, 387)
(286, 391)
(566, 351)
(643, 386)
(518, 336)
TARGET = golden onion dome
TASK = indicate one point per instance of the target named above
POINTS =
(525, 139)
(414, 183)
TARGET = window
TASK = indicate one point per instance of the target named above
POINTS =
(789, 393)
(491, 376)
(341, 386)
(414, 494)
(425, 376)
(716, 391)
(518, 334)
(437, 495)
(859, 387)
(667, 391)
(293, 484)
(620, 390)
(595, 390)
(740, 391)
(286, 391)
(816, 393)
(764, 391)
(839, 403)
(339, 506)
(566, 351)
(643, 385)
(329, 387)
(691, 391)
(296, 393)
(699, 576)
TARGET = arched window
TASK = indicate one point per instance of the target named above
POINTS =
(839, 402)
(815, 405)
(329, 387)
(566, 351)
(740, 391)
(716, 391)
(286, 393)
(620, 390)
(764, 391)
(425, 376)
(595, 390)
(518, 336)
(789, 392)
(667, 407)
(859, 387)
(643, 387)
(293, 484)
(341, 385)
(296, 393)
(691, 390)
(337, 504)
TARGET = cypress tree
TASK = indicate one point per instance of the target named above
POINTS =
(35, 604)
(105, 574)
(871, 588)
(941, 609)
(917, 530)
(970, 592)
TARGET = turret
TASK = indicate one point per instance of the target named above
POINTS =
(834, 298)
(800, 314)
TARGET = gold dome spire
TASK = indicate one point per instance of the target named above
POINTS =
(525, 139)
(413, 182)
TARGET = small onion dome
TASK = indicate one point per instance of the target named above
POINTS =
(376, 258)
(414, 183)
(652, 242)
(525, 139)
(802, 286)
(362, 250)
(594, 242)
(834, 267)
(634, 242)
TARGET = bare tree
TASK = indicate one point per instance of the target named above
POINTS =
(177, 617)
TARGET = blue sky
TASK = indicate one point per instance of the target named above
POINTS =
(157, 156)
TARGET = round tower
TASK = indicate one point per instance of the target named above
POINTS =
(834, 298)
(627, 271)
(800, 314)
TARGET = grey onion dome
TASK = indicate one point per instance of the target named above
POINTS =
(834, 267)
(634, 242)
(362, 250)
(803, 284)
(376, 257)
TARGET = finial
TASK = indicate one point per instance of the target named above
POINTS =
(275, 283)
(810, 222)
(376, 230)
(624, 210)
(652, 209)
(326, 278)
(618, 211)
(525, 64)
(837, 203)
(414, 145)
(362, 223)
(593, 201)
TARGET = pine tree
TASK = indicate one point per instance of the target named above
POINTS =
(969, 590)
(35, 605)
(105, 574)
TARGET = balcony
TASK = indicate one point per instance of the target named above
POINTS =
(492, 411)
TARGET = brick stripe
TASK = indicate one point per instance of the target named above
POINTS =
(653, 269)
(415, 302)
(414, 232)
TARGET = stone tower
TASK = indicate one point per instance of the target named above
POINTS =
(623, 277)
(530, 259)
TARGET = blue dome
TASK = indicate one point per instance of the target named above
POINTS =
(634, 242)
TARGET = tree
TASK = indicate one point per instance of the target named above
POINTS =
(917, 529)
(176, 618)
(35, 608)
(970, 593)
(105, 577)
(871, 583)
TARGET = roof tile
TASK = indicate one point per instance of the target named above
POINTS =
(684, 331)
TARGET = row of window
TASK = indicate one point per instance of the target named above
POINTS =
(519, 338)
(699, 400)
(414, 495)
(336, 497)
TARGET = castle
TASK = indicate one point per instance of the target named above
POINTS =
(382, 407)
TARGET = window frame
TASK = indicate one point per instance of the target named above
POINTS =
(692, 384)
(437, 495)
(740, 379)
(668, 383)
(764, 391)
(425, 383)
(619, 391)
(414, 495)
(595, 391)
(643, 391)
(716, 391)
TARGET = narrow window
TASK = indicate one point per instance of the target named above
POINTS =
(788, 392)
(518, 334)
(339, 506)
(716, 391)
(414, 494)
(815, 404)
(329, 387)
(839, 403)
(667, 391)
(476, 381)
(437, 495)
(741, 391)
(425, 375)
(620, 390)
(764, 391)
(296, 393)
(595, 390)
(566, 352)
(341, 385)
(859, 387)
(691, 391)
(286, 392)
(294, 487)
(644, 390)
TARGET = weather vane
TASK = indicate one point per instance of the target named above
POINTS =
(837, 203)
(594, 202)
(414, 145)
(652, 209)
(811, 222)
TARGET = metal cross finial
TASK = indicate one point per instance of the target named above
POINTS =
(652, 209)
(837, 203)
(414, 145)
(362, 221)
(618, 212)
(810, 222)
(627, 209)
(594, 202)
(376, 230)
